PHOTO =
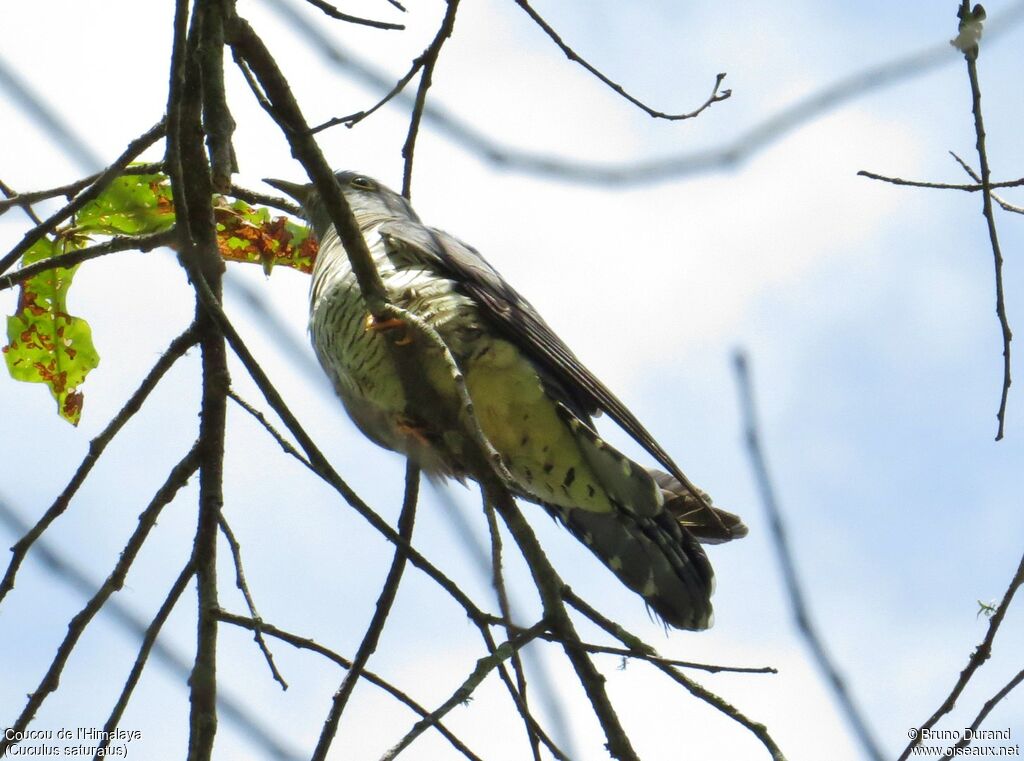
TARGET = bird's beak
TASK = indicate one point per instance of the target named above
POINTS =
(292, 189)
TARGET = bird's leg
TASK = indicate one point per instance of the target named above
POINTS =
(391, 323)
(411, 428)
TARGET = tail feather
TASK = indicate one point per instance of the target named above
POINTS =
(655, 557)
(715, 527)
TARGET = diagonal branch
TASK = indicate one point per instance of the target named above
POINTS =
(978, 657)
(384, 602)
(549, 586)
(333, 12)
(176, 479)
(304, 643)
(464, 693)
(572, 55)
(243, 587)
(760, 731)
(498, 580)
(974, 176)
(177, 348)
(791, 580)
(986, 709)
(71, 258)
(429, 58)
(135, 147)
(148, 640)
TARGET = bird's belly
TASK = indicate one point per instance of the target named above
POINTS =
(520, 421)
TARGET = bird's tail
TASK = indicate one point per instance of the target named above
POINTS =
(710, 525)
(654, 556)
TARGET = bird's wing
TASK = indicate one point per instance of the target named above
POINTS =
(516, 317)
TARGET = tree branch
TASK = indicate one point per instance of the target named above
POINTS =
(177, 478)
(135, 147)
(177, 348)
(791, 580)
(368, 645)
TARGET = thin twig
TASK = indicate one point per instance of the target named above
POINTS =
(385, 600)
(791, 580)
(938, 185)
(997, 256)
(68, 573)
(429, 63)
(304, 643)
(177, 348)
(135, 147)
(70, 189)
(70, 259)
(8, 191)
(661, 168)
(255, 197)
(759, 730)
(549, 586)
(572, 55)
(979, 656)
(148, 640)
(464, 693)
(333, 12)
(353, 119)
(177, 478)
(974, 176)
(984, 712)
(498, 580)
(243, 586)
(285, 444)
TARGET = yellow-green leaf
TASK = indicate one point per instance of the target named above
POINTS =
(45, 343)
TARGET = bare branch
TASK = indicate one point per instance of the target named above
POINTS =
(243, 586)
(71, 258)
(791, 581)
(285, 444)
(177, 348)
(974, 175)
(177, 478)
(978, 657)
(333, 12)
(661, 168)
(429, 63)
(550, 586)
(997, 256)
(255, 197)
(985, 710)
(939, 185)
(69, 190)
(386, 599)
(572, 55)
(635, 643)
(148, 640)
(304, 643)
(484, 666)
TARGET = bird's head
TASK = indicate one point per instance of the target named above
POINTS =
(371, 202)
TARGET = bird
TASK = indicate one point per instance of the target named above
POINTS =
(533, 399)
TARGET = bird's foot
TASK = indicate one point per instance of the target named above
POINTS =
(410, 428)
(391, 323)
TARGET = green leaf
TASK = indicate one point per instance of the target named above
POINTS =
(45, 343)
(133, 204)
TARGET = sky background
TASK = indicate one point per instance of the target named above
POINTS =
(867, 312)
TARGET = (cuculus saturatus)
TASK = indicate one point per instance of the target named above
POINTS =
(532, 397)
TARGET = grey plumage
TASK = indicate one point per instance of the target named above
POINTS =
(533, 398)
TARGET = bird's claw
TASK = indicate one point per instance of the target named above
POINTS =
(391, 323)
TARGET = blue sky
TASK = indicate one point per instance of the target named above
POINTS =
(867, 312)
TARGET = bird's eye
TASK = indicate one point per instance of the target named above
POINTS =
(363, 183)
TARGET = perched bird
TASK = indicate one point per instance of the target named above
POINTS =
(533, 399)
